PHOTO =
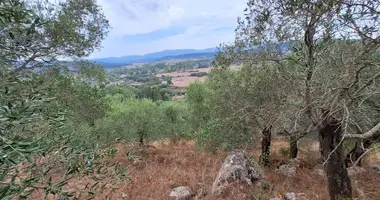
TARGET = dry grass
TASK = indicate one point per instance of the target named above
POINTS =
(165, 165)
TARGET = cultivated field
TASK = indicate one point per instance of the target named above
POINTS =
(183, 79)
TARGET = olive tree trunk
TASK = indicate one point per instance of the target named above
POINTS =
(331, 145)
(265, 146)
(293, 150)
(141, 138)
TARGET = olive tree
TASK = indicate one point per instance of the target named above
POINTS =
(40, 31)
(335, 45)
(33, 34)
(197, 98)
(243, 102)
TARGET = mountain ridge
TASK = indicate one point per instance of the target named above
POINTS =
(158, 56)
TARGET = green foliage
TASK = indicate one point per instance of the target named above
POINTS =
(209, 136)
(198, 74)
(233, 107)
(178, 118)
(37, 109)
(92, 71)
(169, 80)
(124, 91)
(84, 102)
(142, 118)
(156, 93)
(196, 96)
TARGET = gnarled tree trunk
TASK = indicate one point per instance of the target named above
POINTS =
(265, 146)
(141, 138)
(293, 150)
(333, 154)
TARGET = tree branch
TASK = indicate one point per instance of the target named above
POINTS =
(371, 133)
(369, 82)
(23, 66)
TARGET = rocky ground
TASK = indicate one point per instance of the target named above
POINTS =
(165, 170)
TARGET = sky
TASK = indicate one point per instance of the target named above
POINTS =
(145, 26)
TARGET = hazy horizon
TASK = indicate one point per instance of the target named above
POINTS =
(147, 26)
(200, 49)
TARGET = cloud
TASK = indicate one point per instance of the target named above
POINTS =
(144, 26)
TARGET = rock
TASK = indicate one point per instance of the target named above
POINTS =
(292, 196)
(295, 162)
(353, 171)
(124, 196)
(375, 166)
(295, 196)
(290, 169)
(201, 193)
(319, 172)
(236, 168)
(182, 192)
(263, 184)
(287, 170)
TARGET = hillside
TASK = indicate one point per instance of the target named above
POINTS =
(157, 56)
(286, 109)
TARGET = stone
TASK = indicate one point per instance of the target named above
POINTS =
(290, 169)
(292, 196)
(124, 196)
(263, 185)
(181, 193)
(287, 170)
(375, 166)
(202, 192)
(295, 162)
(319, 172)
(353, 171)
(295, 196)
(236, 168)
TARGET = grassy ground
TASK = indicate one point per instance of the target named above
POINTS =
(163, 165)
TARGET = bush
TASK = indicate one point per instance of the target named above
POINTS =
(198, 74)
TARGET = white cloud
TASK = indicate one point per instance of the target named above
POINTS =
(200, 17)
(139, 16)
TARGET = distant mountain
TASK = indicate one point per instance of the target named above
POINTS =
(188, 56)
(157, 56)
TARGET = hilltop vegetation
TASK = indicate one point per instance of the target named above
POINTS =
(315, 103)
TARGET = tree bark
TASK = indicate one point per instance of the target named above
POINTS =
(265, 146)
(141, 138)
(332, 151)
(293, 147)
